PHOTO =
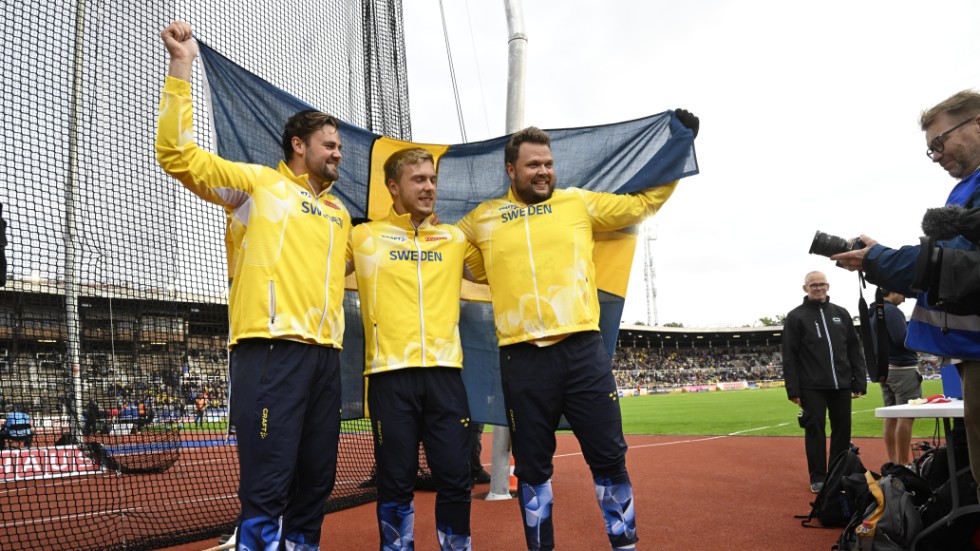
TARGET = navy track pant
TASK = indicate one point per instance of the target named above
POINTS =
(572, 377)
(427, 405)
(286, 411)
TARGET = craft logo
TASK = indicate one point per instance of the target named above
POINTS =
(398, 238)
(264, 431)
(305, 193)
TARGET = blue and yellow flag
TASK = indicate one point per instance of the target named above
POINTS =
(248, 115)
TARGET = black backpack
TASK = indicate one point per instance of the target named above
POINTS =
(832, 507)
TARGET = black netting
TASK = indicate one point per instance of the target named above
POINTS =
(113, 319)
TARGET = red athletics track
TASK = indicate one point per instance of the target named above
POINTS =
(118, 507)
(692, 493)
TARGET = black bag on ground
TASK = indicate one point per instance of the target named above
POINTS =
(918, 487)
(832, 506)
(933, 464)
(859, 493)
(957, 536)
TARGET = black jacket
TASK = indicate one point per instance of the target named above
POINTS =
(821, 350)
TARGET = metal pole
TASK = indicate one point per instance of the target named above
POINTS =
(516, 52)
(71, 229)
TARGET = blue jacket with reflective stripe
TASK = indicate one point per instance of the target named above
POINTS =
(930, 330)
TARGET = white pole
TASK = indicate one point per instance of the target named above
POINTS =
(516, 51)
(71, 229)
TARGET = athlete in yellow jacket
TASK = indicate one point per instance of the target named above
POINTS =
(537, 247)
(409, 279)
(409, 274)
(538, 256)
(286, 306)
(290, 274)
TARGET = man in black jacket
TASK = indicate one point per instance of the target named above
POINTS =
(823, 367)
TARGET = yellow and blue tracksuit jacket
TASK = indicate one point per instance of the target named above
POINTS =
(538, 258)
(408, 281)
(288, 280)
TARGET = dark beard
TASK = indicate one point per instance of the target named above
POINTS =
(529, 197)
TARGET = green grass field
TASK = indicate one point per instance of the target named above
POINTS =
(760, 412)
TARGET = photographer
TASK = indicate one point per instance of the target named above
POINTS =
(952, 131)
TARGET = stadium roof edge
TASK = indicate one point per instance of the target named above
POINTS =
(696, 337)
(663, 329)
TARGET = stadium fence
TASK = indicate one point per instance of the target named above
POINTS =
(113, 320)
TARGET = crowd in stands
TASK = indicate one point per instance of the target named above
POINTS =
(636, 367)
(666, 368)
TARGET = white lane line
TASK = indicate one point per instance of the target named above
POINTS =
(707, 438)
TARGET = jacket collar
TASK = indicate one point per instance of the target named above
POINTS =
(404, 221)
(302, 180)
(811, 304)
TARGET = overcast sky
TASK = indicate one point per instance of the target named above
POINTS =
(809, 121)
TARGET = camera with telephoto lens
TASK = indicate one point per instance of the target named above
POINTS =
(828, 245)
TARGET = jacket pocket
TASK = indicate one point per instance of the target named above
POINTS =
(272, 303)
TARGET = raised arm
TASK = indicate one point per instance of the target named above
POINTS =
(181, 46)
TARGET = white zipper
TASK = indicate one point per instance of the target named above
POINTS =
(534, 275)
(326, 285)
(418, 270)
(833, 370)
(272, 303)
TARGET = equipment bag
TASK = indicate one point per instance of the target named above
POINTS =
(889, 523)
(832, 506)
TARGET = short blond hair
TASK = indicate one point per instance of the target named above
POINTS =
(404, 157)
(962, 103)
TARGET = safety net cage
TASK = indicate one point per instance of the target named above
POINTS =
(113, 309)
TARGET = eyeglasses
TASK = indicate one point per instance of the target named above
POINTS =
(939, 142)
(818, 285)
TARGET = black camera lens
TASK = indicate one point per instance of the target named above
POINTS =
(828, 245)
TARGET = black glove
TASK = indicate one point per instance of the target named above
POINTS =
(688, 120)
